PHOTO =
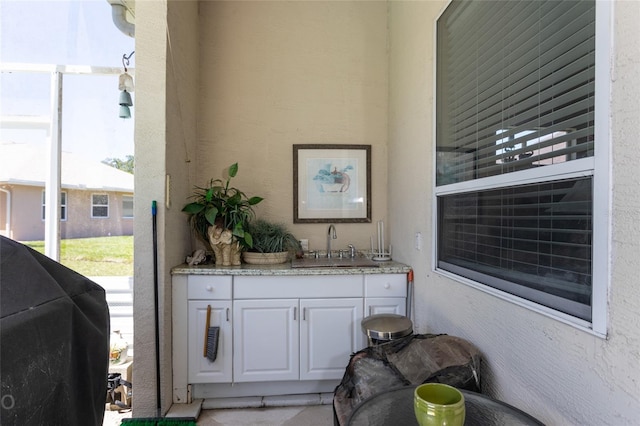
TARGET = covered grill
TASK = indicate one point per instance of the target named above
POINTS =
(54, 328)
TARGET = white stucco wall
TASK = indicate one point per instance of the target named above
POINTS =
(556, 372)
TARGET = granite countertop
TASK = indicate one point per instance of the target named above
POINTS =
(386, 267)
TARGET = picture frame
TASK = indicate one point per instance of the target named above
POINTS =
(331, 183)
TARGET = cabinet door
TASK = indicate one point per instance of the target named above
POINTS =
(266, 340)
(201, 370)
(385, 305)
(329, 334)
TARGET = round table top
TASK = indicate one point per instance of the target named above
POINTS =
(395, 407)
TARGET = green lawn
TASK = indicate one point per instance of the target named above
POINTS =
(95, 256)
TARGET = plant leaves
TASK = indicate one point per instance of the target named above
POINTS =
(233, 170)
(235, 199)
(248, 239)
(211, 214)
(193, 208)
(255, 200)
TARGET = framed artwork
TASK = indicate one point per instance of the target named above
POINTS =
(331, 183)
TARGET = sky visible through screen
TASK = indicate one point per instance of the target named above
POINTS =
(66, 32)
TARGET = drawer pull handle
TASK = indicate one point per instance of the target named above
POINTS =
(209, 288)
(387, 286)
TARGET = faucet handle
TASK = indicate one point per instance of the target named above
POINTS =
(352, 251)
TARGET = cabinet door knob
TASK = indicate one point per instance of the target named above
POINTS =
(209, 288)
(387, 286)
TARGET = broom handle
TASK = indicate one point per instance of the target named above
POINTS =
(154, 213)
(206, 331)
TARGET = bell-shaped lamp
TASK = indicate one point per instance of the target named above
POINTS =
(125, 99)
(125, 112)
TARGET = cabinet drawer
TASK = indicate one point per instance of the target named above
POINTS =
(209, 287)
(385, 285)
(307, 286)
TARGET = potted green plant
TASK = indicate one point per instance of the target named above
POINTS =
(272, 243)
(219, 215)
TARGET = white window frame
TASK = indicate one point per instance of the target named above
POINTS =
(93, 204)
(599, 166)
(64, 198)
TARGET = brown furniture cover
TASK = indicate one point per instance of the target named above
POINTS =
(415, 359)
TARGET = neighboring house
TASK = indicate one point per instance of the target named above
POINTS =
(96, 199)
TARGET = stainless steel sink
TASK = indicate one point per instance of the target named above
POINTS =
(323, 262)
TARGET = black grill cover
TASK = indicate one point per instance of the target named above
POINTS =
(54, 341)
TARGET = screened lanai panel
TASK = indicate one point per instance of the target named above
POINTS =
(515, 86)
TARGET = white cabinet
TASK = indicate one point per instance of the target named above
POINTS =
(329, 334)
(278, 334)
(306, 338)
(294, 339)
(266, 340)
(385, 294)
(215, 292)
(201, 370)
(385, 305)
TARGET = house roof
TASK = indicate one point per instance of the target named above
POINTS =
(27, 164)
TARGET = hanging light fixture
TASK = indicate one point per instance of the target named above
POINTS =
(125, 85)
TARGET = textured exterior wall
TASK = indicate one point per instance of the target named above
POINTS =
(556, 372)
(274, 74)
(26, 214)
(166, 86)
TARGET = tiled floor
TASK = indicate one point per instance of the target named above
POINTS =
(314, 415)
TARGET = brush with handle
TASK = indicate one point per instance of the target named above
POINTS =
(211, 336)
(206, 331)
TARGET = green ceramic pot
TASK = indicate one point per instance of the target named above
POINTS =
(437, 404)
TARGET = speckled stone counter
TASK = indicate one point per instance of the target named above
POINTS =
(386, 267)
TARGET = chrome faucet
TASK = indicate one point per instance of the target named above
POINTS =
(329, 237)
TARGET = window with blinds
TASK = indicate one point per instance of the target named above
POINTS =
(515, 86)
(515, 141)
(533, 241)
